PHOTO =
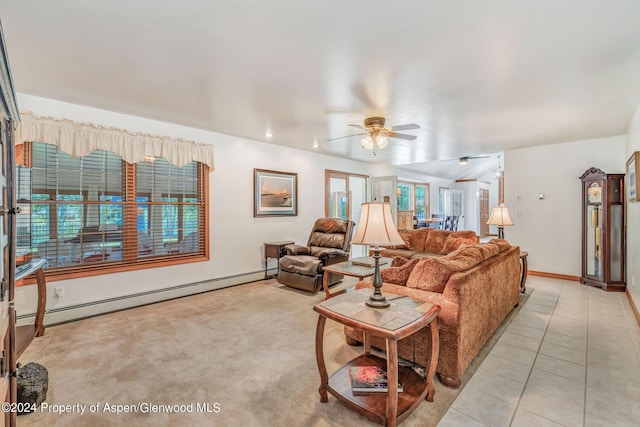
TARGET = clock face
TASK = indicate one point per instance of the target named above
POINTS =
(594, 193)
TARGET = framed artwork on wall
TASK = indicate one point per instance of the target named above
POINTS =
(633, 177)
(275, 193)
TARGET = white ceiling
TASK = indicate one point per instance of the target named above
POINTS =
(477, 76)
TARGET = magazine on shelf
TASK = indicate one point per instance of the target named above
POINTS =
(369, 379)
(368, 261)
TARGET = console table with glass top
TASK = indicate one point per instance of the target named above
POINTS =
(404, 317)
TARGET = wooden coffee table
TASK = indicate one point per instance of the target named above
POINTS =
(404, 317)
(347, 268)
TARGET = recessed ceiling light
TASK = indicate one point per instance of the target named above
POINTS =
(268, 134)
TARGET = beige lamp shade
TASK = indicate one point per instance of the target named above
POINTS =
(500, 216)
(376, 226)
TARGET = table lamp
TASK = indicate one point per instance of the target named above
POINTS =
(376, 228)
(500, 217)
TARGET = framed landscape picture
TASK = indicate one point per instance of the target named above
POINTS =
(275, 193)
(633, 177)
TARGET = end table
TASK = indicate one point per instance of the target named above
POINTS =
(525, 271)
(405, 317)
(348, 268)
(274, 250)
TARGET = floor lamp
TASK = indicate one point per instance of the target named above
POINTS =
(376, 228)
(500, 217)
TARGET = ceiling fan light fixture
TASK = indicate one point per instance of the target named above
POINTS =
(382, 141)
(367, 142)
(463, 160)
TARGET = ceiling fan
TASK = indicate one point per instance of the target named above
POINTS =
(465, 160)
(375, 134)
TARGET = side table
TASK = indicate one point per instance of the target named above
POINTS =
(274, 250)
(347, 268)
(525, 271)
(404, 317)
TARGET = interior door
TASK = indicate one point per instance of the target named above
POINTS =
(383, 189)
(4, 289)
(457, 207)
(344, 193)
(484, 212)
(338, 204)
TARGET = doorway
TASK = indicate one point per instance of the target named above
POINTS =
(344, 193)
(484, 212)
(457, 207)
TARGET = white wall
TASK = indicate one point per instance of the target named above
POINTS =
(633, 218)
(550, 229)
(236, 237)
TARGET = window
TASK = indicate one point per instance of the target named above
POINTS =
(413, 197)
(99, 212)
(422, 201)
(403, 196)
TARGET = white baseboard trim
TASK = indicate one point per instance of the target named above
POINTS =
(75, 312)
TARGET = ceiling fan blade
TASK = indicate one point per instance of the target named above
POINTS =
(357, 126)
(347, 136)
(408, 126)
(401, 136)
(479, 157)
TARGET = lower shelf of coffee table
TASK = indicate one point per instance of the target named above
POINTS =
(374, 405)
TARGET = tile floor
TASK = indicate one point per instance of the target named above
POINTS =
(571, 357)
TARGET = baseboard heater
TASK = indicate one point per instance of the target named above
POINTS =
(65, 314)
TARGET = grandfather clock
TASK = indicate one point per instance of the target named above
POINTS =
(603, 236)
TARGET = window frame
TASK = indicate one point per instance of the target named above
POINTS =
(412, 196)
(130, 260)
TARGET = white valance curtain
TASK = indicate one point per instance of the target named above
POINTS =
(80, 139)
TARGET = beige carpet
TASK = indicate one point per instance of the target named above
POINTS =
(246, 351)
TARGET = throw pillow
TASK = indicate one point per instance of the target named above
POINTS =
(398, 275)
(399, 261)
(430, 274)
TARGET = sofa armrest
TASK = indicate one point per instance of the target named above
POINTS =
(330, 256)
(297, 250)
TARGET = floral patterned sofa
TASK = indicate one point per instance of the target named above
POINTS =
(429, 242)
(476, 287)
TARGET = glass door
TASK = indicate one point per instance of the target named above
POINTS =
(344, 193)
(384, 189)
(457, 207)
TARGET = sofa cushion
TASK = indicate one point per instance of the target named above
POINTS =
(465, 258)
(390, 253)
(418, 238)
(406, 238)
(435, 241)
(300, 264)
(488, 249)
(430, 274)
(502, 244)
(453, 243)
(458, 239)
(399, 271)
(326, 240)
